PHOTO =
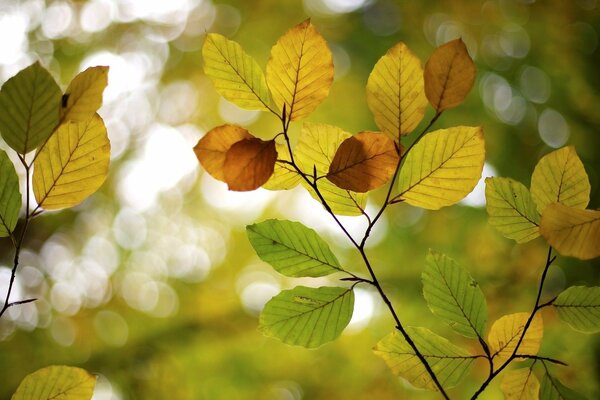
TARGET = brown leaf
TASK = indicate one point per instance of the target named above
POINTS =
(364, 162)
(249, 163)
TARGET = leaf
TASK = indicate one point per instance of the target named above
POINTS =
(395, 92)
(284, 176)
(364, 162)
(579, 306)
(442, 168)
(506, 331)
(83, 97)
(316, 148)
(300, 70)
(10, 196)
(449, 362)
(212, 147)
(306, 316)
(57, 382)
(72, 165)
(236, 75)
(449, 75)
(292, 248)
(511, 209)
(553, 389)
(520, 384)
(560, 177)
(249, 164)
(454, 296)
(572, 231)
(30, 103)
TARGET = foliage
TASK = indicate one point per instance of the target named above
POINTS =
(56, 382)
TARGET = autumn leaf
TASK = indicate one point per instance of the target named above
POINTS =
(284, 175)
(449, 75)
(83, 97)
(520, 384)
(579, 306)
(57, 382)
(249, 163)
(506, 331)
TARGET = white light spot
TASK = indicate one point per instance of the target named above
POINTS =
(553, 128)
(364, 306)
(255, 296)
(535, 84)
(236, 115)
(57, 20)
(96, 15)
(13, 30)
(129, 229)
(477, 197)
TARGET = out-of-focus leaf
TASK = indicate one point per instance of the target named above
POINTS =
(395, 92)
(83, 97)
(572, 231)
(57, 383)
(506, 331)
(30, 104)
(249, 164)
(449, 75)
(442, 168)
(579, 306)
(520, 384)
(72, 164)
(511, 209)
(553, 389)
(10, 196)
(449, 362)
(300, 70)
(284, 176)
(306, 316)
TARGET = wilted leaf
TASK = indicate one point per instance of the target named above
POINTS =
(72, 164)
(442, 168)
(579, 306)
(300, 70)
(520, 384)
(553, 389)
(236, 76)
(449, 362)
(30, 103)
(572, 231)
(453, 295)
(284, 175)
(10, 196)
(57, 383)
(292, 248)
(306, 316)
(395, 93)
(249, 164)
(364, 162)
(559, 177)
(449, 75)
(83, 97)
(506, 331)
(511, 209)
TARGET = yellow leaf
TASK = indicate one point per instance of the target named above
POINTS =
(442, 168)
(300, 71)
(560, 177)
(284, 175)
(520, 384)
(83, 97)
(72, 164)
(449, 75)
(249, 164)
(235, 74)
(506, 332)
(395, 92)
(57, 383)
(364, 162)
(572, 231)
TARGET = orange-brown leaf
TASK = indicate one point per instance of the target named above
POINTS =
(249, 163)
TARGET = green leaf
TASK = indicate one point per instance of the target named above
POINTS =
(553, 389)
(10, 196)
(292, 248)
(520, 384)
(449, 362)
(511, 209)
(30, 104)
(579, 306)
(453, 295)
(307, 316)
(57, 382)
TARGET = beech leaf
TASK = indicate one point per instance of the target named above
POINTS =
(10, 196)
(579, 306)
(506, 331)
(520, 384)
(249, 164)
(56, 382)
(553, 389)
(83, 97)
(284, 175)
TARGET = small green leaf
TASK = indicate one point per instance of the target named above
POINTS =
(57, 382)
(453, 295)
(292, 248)
(553, 389)
(306, 316)
(579, 306)
(10, 196)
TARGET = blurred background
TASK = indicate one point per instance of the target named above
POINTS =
(152, 284)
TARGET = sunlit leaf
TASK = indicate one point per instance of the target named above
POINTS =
(30, 103)
(520, 384)
(506, 331)
(306, 316)
(449, 362)
(10, 196)
(442, 168)
(83, 97)
(453, 295)
(249, 164)
(72, 164)
(284, 175)
(292, 248)
(579, 306)
(213, 146)
(449, 75)
(511, 209)
(236, 75)
(395, 92)
(553, 389)
(300, 70)
(559, 177)
(572, 231)
(57, 383)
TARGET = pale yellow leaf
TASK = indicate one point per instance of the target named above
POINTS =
(57, 383)
(83, 97)
(506, 332)
(520, 384)
(284, 175)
